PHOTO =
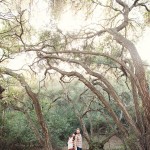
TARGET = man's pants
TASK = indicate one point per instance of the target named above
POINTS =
(79, 148)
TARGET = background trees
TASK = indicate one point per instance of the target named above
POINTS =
(95, 69)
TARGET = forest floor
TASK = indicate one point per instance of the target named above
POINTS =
(113, 144)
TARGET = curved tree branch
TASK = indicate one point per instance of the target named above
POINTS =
(96, 92)
(36, 104)
(110, 89)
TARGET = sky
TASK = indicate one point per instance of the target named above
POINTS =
(70, 22)
(143, 45)
(40, 19)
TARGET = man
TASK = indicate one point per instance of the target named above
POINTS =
(78, 140)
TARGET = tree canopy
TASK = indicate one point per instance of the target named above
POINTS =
(81, 68)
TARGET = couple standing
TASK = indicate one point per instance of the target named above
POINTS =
(75, 141)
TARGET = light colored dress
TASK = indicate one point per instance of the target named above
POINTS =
(70, 143)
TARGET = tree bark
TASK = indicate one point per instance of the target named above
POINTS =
(34, 98)
(138, 114)
(143, 91)
(85, 133)
(35, 130)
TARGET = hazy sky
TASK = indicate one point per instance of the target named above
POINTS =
(143, 45)
(70, 22)
(40, 19)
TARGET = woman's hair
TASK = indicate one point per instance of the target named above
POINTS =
(74, 136)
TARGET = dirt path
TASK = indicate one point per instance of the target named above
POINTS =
(113, 144)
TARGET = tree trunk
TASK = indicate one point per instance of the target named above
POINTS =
(35, 130)
(34, 98)
(138, 114)
(40, 117)
(85, 133)
(143, 91)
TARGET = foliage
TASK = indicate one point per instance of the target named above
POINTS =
(15, 129)
(100, 81)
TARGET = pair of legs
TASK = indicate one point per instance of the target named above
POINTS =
(79, 148)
